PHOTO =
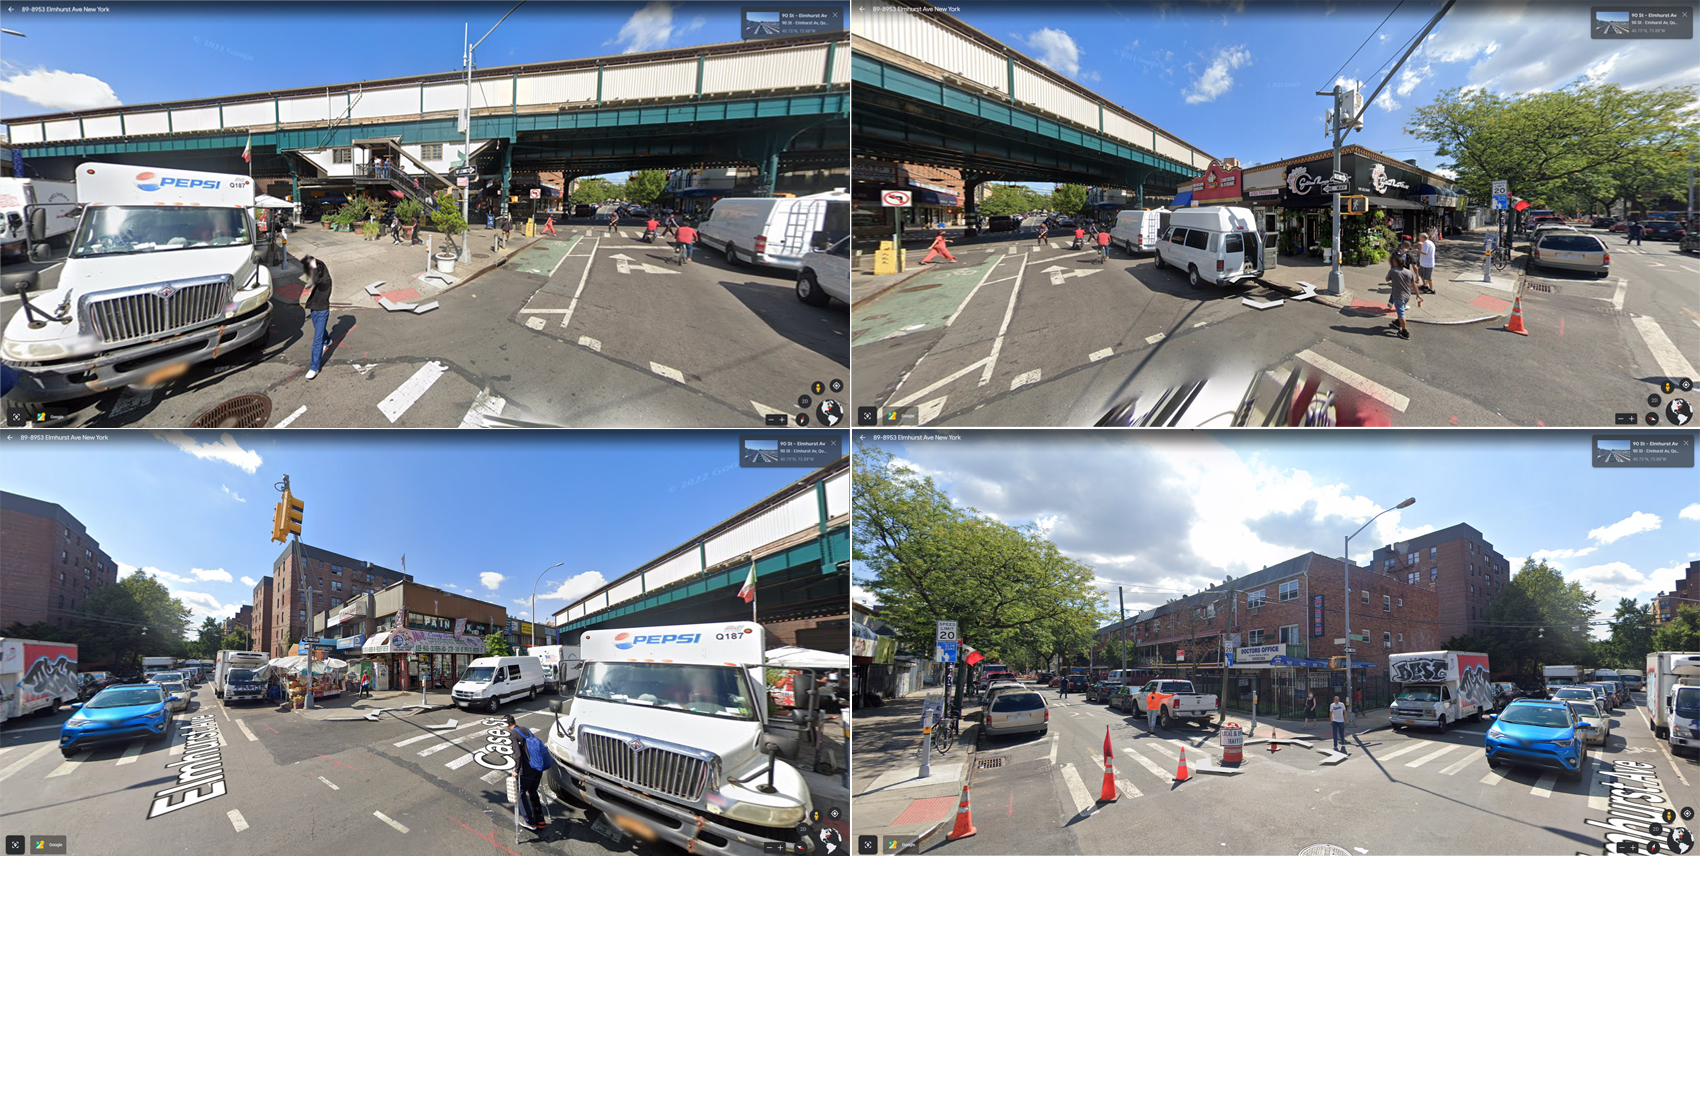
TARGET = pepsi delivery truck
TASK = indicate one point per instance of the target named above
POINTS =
(161, 275)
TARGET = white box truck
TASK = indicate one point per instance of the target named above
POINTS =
(1558, 676)
(1673, 699)
(1438, 687)
(36, 676)
(33, 213)
(561, 666)
(775, 232)
(230, 659)
(668, 738)
(161, 275)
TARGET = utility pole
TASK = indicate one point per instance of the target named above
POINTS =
(1121, 604)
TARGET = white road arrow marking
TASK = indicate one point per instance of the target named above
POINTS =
(1058, 274)
(930, 411)
(626, 266)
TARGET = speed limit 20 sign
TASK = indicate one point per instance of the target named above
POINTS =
(947, 630)
(896, 198)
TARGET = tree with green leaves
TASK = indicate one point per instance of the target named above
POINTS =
(495, 645)
(132, 618)
(1070, 199)
(1681, 634)
(237, 638)
(207, 639)
(1537, 619)
(1008, 198)
(1631, 636)
(646, 186)
(596, 190)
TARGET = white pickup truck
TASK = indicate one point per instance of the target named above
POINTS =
(1173, 701)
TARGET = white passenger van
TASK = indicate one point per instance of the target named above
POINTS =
(1136, 230)
(161, 275)
(491, 681)
(1212, 244)
(776, 232)
(33, 213)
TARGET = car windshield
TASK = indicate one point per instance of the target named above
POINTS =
(1574, 693)
(1421, 695)
(1017, 700)
(1522, 714)
(698, 689)
(1571, 242)
(477, 675)
(125, 697)
(120, 230)
(1586, 710)
(1687, 702)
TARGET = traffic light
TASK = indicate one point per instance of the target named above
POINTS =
(292, 509)
(1336, 662)
(1354, 204)
(277, 523)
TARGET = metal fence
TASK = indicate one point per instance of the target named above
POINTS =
(1281, 693)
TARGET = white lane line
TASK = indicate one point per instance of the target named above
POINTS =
(1164, 749)
(566, 322)
(564, 256)
(667, 372)
(991, 360)
(222, 743)
(131, 753)
(1391, 398)
(1396, 753)
(1153, 339)
(177, 736)
(1101, 353)
(1026, 379)
(1454, 769)
(1671, 361)
(480, 732)
(290, 419)
(414, 740)
(590, 342)
(66, 768)
(1076, 789)
(237, 820)
(411, 390)
(1200, 324)
(246, 732)
(1148, 765)
(17, 766)
(1493, 776)
(391, 822)
(1618, 294)
(329, 784)
(1435, 755)
(1544, 785)
(991, 267)
(1664, 748)
(543, 311)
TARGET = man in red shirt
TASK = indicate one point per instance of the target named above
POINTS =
(1104, 243)
(687, 240)
(651, 228)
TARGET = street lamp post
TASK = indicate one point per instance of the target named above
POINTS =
(466, 191)
(1346, 573)
(534, 585)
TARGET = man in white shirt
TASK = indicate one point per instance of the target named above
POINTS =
(1425, 263)
(1337, 718)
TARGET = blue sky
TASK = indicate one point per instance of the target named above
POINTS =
(1237, 79)
(1171, 515)
(480, 513)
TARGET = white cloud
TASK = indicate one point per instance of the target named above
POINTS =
(58, 90)
(204, 603)
(1519, 49)
(123, 570)
(1616, 580)
(1561, 555)
(1690, 512)
(212, 575)
(1055, 49)
(1634, 525)
(567, 591)
(233, 495)
(649, 28)
(249, 581)
(492, 581)
(1217, 77)
(861, 595)
(225, 450)
(1411, 76)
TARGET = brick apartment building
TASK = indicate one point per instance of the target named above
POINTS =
(260, 635)
(1685, 592)
(1464, 568)
(49, 564)
(242, 620)
(334, 580)
(407, 629)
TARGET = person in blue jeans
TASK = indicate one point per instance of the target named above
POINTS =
(531, 758)
(317, 278)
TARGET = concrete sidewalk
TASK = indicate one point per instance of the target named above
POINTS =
(1460, 297)
(341, 708)
(889, 797)
(356, 263)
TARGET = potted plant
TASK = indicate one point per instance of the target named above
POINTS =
(447, 221)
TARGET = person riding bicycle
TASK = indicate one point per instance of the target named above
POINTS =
(1103, 244)
(685, 241)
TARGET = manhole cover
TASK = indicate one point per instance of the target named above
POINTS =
(1325, 850)
(251, 410)
(923, 286)
(989, 762)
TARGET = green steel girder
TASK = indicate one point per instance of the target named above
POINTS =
(983, 134)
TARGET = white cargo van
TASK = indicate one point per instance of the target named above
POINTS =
(161, 275)
(777, 232)
(491, 681)
(33, 213)
(1136, 230)
(1557, 676)
(1438, 688)
(1212, 244)
(561, 666)
(668, 737)
(1673, 699)
(231, 659)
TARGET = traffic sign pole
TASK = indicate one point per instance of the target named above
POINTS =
(897, 200)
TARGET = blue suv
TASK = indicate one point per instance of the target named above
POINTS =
(120, 713)
(1542, 732)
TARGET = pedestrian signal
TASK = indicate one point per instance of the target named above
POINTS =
(1337, 662)
(1354, 204)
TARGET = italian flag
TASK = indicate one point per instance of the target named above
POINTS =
(748, 592)
(248, 150)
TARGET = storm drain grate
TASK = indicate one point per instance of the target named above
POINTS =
(1541, 287)
(251, 410)
(1325, 850)
(985, 762)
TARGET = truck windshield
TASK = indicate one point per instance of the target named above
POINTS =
(1687, 702)
(477, 675)
(698, 689)
(120, 230)
(1420, 695)
(241, 676)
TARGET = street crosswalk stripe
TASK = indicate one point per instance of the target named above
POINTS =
(673, 373)
(1671, 361)
(329, 784)
(131, 753)
(1076, 789)
(1454, 769)
(450, 744)
(1027, 379)
(461, 761)
(391, 822)
(1101, 353)
(487, 777)
(411, 740)
(66, 768)
(1154, 337)
(1435, 755)
(290, 419)
(1146, 764)
(1493, 776)
(411, 390)
(237, 820)
(1396, 753)
(1398, 402)
(1127, 789)
(1599, 803)
(1164, 749)
(1543, 786)
(14, 768)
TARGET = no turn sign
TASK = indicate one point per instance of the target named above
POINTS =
(896, 198)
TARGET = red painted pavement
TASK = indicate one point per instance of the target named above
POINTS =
(401, 294)
(289, 292)
(1371, 307)
(1488, 302)
(923, 810)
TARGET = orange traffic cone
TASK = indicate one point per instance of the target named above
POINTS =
(1274, 746)
(1108, 794)
(1181, 773)
(1516, 322)
(964, 826)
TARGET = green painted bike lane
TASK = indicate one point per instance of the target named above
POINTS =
(925, 301)
(544, 254)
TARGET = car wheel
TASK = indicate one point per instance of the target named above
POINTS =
(1160, 262)
(733, 258)
(1163, 719)
(67, 753)
(530, 695)
(1192, 277)
(1443, 725)
(809, 291)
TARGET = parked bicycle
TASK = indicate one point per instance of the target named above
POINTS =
(943, 738)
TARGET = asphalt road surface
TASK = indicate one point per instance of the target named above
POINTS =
(589, 330)
(1422, 793)
(1018, 336)
(296, 784)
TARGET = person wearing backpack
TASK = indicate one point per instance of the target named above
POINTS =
(531, 757)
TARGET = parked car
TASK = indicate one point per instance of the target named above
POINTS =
(1605, 694)
(1002, 223)
(826, 275)
(1602, 223)
(1593, 720)
(1016, 712)
(584, 210)
(1574, 692)
(1101, 691)
(1573, 251)
(1122, 698)
(1543, 733)
(122, 712)
(1002, 687)
(1504, 694)
(1662, 229)
(1690, 242)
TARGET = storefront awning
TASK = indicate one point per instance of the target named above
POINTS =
(1390, 203)
(926, 196)
(421, 641)
(1182, 198)
(790, 656)
(1433, 195)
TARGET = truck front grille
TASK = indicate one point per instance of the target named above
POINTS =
(653, 767)
(145, 314)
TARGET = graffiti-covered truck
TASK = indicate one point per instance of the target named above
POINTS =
(668, 738)
(1438, 688)
(36, 676)
(161, 275)
(1673, 699)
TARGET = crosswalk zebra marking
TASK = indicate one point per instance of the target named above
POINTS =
(1396, 753)
(1544, 785)
(1454, 769)
(1147, 765)
(450, 744)
(131, 753)
(1076, 789)
(1435, 755)
(1493, 776)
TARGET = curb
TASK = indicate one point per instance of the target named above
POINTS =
(863, 299)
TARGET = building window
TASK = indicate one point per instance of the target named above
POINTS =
(1401, 601)
(1290, 635)
(1365, 594)
(1386, 640)
(344, 155)
(1433, 553)
(336, 603)
(64, 555)
(89, 554)
(1289, 591)
(1410, 578)
(1255, 600)
(303, 614)
(1387, 603)
(1413, 557)
(67, 534)
(1401, 637)
(85, 574)
(1472, 569)
(431, 150)
(61, 578)
(336, 586)
(336, 570)
(1472, 590)
(1254, 637)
